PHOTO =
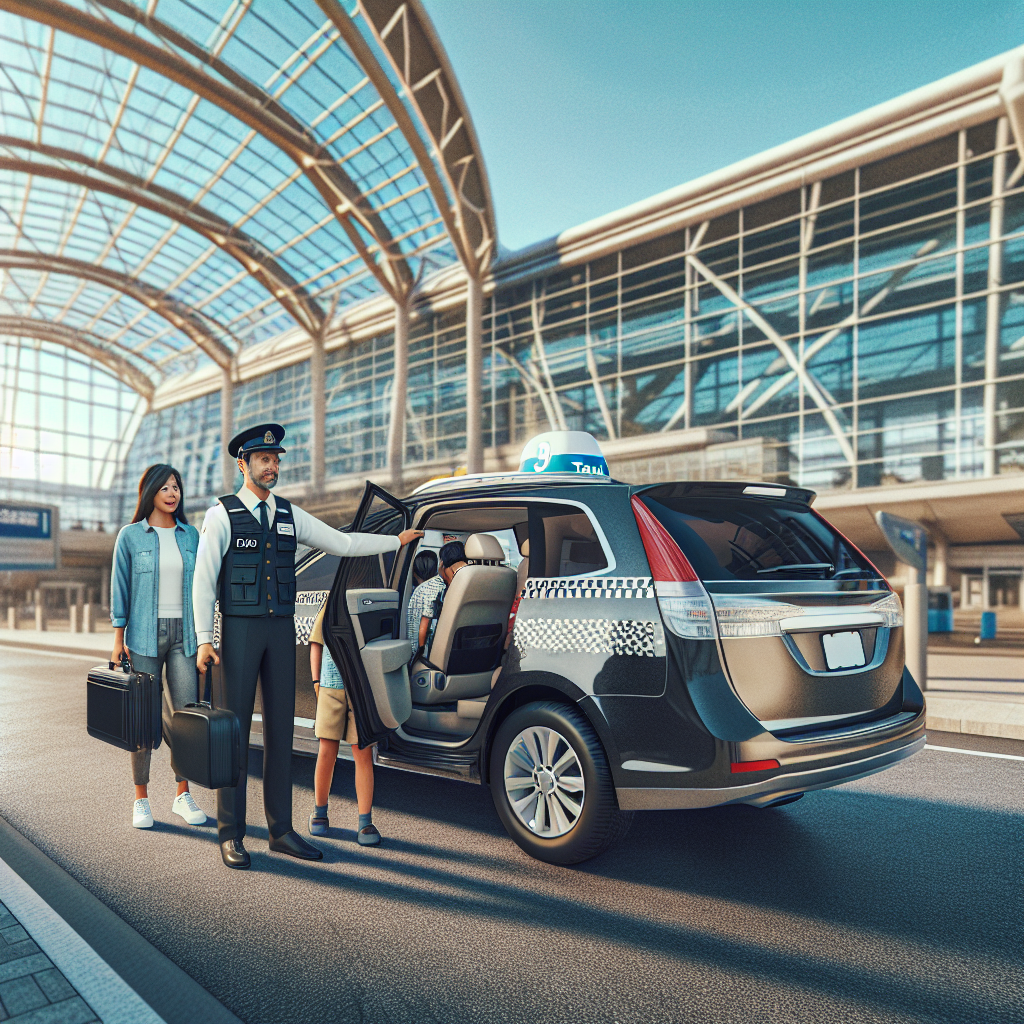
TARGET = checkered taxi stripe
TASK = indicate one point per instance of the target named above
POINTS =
(588, 636)
(304, 600)
(589, 587)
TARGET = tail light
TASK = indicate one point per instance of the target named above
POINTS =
(753, 766)
(685, 606)
(668, 563)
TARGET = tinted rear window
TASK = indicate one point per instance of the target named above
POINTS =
(741, 538)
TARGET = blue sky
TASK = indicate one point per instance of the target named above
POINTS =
(585, 106)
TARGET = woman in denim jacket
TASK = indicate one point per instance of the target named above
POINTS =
(151, 610)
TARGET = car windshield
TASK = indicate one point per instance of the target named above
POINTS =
(740, 538)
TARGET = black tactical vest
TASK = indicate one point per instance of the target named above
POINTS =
(257, 576)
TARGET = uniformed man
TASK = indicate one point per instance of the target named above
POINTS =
(246, 560)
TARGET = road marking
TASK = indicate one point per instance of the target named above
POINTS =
(976, 753)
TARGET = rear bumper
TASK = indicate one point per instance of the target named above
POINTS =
(765, 791)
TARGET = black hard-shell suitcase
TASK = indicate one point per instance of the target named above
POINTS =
(206, 744)
(123, 706)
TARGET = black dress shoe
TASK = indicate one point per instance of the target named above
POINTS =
(295, 846)
(233, 853)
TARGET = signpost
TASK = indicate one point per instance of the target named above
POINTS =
(909, 542)
(29, 537)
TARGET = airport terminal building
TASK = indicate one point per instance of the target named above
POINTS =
(213, 222)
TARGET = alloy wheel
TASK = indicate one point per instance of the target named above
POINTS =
(544, 782)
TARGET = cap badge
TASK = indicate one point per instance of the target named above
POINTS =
(268, 438)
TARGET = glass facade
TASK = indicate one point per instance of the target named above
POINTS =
(65, 429)
(845, 334)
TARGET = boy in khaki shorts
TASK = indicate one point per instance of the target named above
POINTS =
(335, 723)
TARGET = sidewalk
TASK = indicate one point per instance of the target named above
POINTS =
(66, 958)
(60, 641)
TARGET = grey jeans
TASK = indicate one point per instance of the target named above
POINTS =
(181, 686)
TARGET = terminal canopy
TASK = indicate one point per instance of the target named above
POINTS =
(180, 179)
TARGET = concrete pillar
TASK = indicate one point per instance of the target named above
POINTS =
(89, 617)
(12, 617)
(399, 393)
(940, 559)
(994, 302)
(227, 429)
(474, 376)
(73, 618)
(965, 590)
(40, 611)
(985, 605)
(104, 589)
(318, 414)
(915, 631)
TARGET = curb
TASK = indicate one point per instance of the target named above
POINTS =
(976, 717)
(175, 996)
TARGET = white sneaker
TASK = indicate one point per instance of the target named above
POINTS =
(142, 816)
(185, 807)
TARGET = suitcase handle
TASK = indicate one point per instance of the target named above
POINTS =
(207, 683)
(126, 664)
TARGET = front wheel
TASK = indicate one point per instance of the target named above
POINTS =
(551, 784)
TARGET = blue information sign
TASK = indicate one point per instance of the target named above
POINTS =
(28, 536)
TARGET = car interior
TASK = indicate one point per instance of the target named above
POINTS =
(441, 696)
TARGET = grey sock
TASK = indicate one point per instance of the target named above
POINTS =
(364, 820)
(319, 812)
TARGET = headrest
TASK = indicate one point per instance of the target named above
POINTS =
(482, 547)
(524, 550)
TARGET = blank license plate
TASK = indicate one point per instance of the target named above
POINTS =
(843, 650)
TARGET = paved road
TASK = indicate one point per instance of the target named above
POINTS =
(897, 898)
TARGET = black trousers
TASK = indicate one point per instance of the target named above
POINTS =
(263, 648)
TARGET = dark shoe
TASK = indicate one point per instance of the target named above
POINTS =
(233, 853)
(318, 826)
(294, 845)
(368, 836)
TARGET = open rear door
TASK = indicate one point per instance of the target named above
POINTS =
(361, 624)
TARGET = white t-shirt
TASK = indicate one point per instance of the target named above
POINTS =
(169, 597)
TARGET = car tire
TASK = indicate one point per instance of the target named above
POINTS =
(559, 819)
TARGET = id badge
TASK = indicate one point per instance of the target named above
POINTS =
(287, 529)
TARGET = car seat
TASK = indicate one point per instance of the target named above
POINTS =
(470, 633)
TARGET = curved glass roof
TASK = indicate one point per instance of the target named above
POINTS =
(181, 179)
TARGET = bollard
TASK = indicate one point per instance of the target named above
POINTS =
(73, 618)
(915, 631)
(40, 612)
(12, 617)
(988, 626)
(88, 617)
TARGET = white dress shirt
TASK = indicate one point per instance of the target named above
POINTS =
(215, 538)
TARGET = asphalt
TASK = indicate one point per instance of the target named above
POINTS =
(895, 898)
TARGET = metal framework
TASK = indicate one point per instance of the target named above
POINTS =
(88, 345)
(175, 312)
(274, 136)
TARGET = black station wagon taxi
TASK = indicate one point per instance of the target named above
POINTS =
(612, 648)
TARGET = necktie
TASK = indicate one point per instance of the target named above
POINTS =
(264, 521)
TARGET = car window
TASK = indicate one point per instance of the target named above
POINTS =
(564, 544)
(738, 538)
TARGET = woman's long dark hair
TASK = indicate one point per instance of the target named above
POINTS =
(152, 480)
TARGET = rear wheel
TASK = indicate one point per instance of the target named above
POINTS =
(552, 786)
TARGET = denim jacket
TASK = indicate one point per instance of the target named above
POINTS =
(135, 586)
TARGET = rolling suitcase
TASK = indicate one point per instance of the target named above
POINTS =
(123, 706)
(206, 743)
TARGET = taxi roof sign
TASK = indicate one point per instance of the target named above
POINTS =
(564, 451)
